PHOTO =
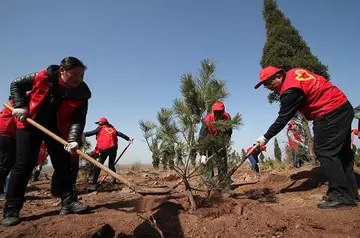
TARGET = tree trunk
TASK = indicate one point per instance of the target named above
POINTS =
(309, 140)
(189, 193)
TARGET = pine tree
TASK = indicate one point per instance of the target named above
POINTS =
(277, 151)
(177, 128)
(285, 49)
(243, 153)
(262, 157)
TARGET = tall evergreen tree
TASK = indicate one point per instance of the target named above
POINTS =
(286, 49)
(277, 151)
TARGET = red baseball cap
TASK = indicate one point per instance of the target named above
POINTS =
(266, 73)
(218, 106)
(292, 123)
(102, 120)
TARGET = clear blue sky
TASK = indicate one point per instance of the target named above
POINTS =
(136, 52)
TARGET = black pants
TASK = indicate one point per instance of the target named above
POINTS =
(111, 153)
(7, 158)
(332, 138)
(74, 169)
(28, 143)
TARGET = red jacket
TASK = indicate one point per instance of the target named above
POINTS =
(209, 121)
(106, 138)
(7, 122)
(293, 144)
(39, 92)
(322, 96)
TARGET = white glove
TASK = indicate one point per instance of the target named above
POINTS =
(203, 159)
(20, 113)
(261, 141)
(71, 147)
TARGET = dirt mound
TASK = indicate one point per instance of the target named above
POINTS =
(279, 205)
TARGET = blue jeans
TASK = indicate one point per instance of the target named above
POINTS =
(254, 163)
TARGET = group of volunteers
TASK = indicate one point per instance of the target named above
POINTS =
(57, 98)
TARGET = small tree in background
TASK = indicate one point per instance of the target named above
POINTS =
(285, 48)
(277, 151)
(177, 128)
(262, 157)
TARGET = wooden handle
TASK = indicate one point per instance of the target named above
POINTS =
(78, 151)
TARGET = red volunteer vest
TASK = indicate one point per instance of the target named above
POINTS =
(297, 136)
(39, 92)
(106, 138)
(322, 96)
(209, 121)
(7, 122)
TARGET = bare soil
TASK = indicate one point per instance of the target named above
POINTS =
(280, 204)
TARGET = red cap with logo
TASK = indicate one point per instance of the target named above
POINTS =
(218, 106)
(265, 74)
(102, 120)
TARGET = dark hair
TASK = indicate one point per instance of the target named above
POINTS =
(67, 63)
(71, 62)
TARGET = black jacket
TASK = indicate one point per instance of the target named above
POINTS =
(96, 131)
(48, 111)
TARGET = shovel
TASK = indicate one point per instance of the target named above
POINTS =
(136, 188)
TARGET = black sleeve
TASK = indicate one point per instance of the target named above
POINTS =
(78, 123)
(91, 133)
(230, 131)
(19, 87)
(290, 102)
(125, 137)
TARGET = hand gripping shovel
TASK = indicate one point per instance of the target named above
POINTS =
(140, 190)
(117, 160)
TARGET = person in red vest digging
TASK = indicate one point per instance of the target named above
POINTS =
(59, 102)
(254, 158)
(7, 146)
(207, 128)
(332, 114)
(106, 146)
(296, 143)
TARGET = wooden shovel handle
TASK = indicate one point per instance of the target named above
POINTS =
(78, 151)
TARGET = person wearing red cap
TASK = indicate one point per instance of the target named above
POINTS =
(296, 142)
(254, 157)
(208, 128)
(332, 114)
(7, 145)
(106, 146)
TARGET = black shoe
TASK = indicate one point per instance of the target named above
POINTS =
(336, 204)
(72, 205)
(10, 219)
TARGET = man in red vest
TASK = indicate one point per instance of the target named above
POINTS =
(106, 146)
(7, 146)
(58, 101)
(208, 129)
(296, 140)
(318, 100)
